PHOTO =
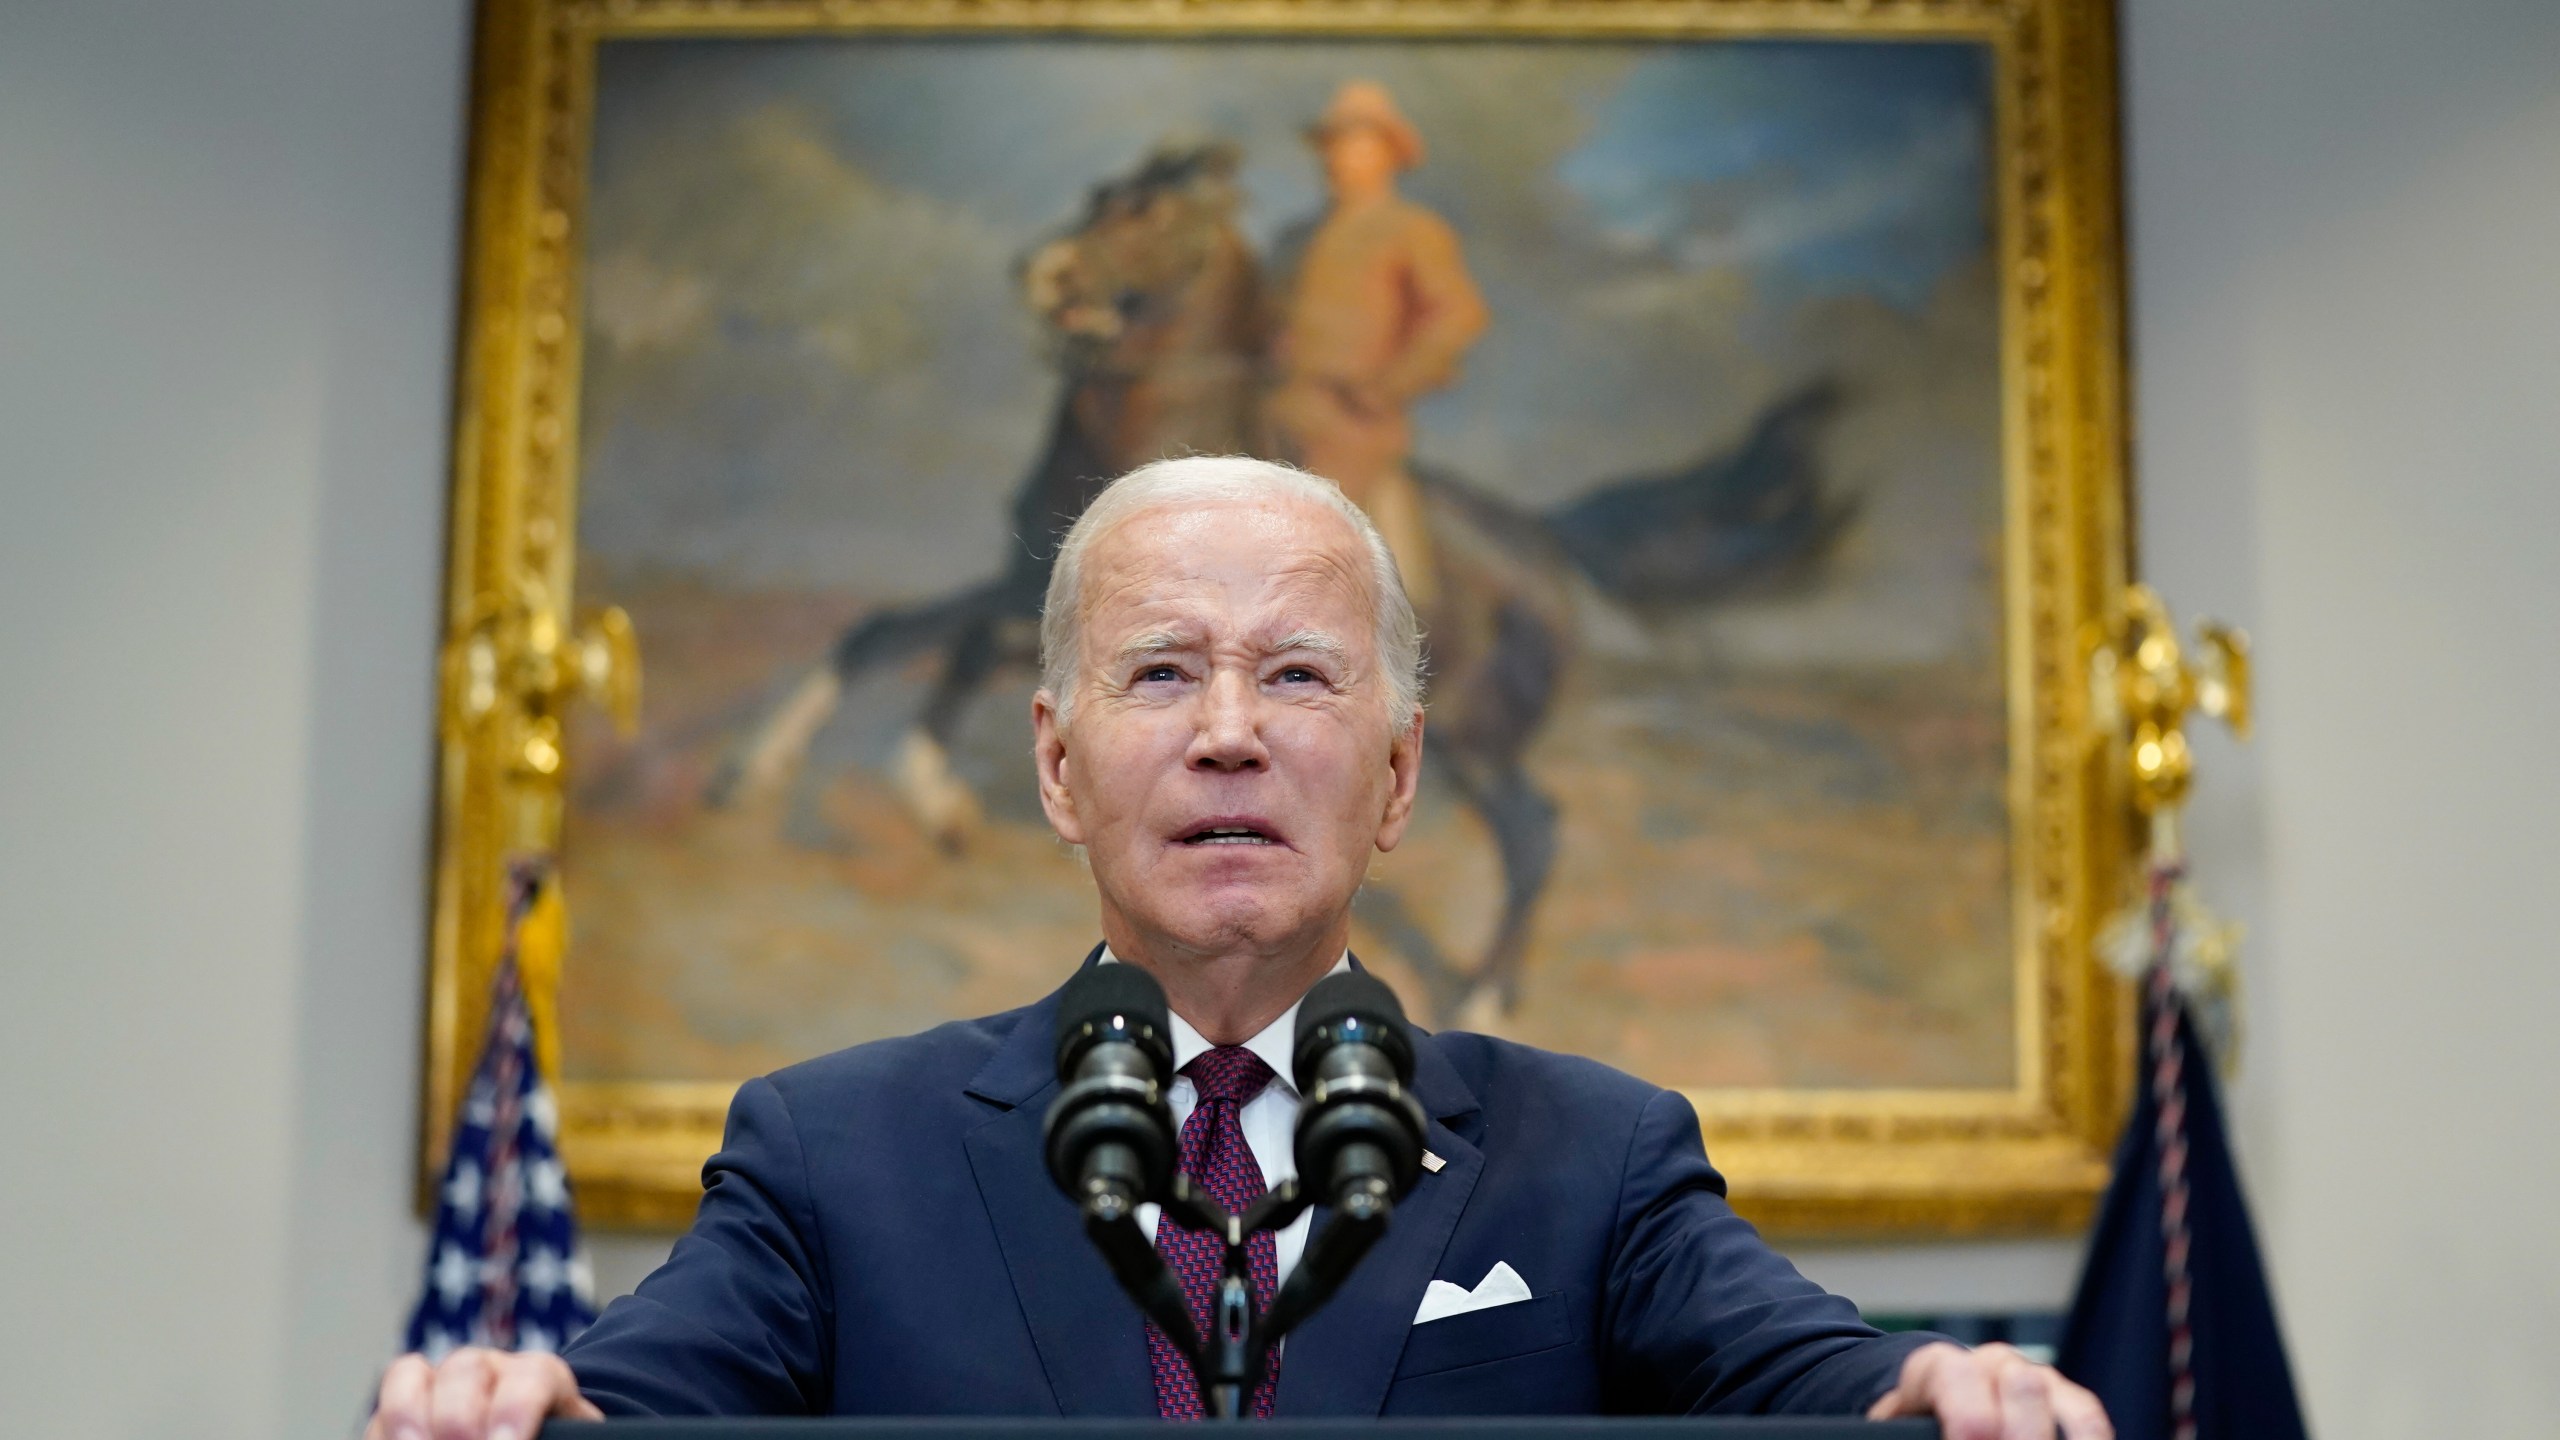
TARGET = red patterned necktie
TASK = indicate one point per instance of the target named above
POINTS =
(1216, 1158)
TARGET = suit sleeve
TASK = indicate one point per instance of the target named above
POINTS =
(738, 1321)
(1704, 1317)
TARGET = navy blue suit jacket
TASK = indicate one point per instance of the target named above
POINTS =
(878, 1235)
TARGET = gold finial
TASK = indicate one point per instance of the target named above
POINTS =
(2143, 685)
(510, 676)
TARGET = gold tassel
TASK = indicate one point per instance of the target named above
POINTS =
(541, 941)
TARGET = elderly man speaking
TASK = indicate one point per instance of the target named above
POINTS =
(1230, 722)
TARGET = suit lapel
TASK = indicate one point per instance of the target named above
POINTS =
(1087, 1332)
(1092, 1346)
(1342, 1360)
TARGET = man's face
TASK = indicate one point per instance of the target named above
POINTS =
(1358, 160)
(1228, 765)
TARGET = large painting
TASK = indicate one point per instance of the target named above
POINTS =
(1735, 398)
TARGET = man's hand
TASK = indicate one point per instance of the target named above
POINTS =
(475, 1394)
(1992, 1393)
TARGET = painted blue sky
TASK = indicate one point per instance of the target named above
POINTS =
(1823, 165)
(806, 360)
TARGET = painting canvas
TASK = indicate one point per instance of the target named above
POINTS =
(1705, 514)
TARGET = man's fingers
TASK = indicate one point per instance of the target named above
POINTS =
(476, 1394)
(2026, 1412)
(460, 1409)
(400, 1407)
(1964, 1402)
(1992, 1393)
(529, 1388)
(1951, 1383)
(2082, 1417)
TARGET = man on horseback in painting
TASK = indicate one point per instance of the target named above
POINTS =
(1379, 313)
(1166, 343)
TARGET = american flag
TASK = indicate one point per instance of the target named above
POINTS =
(504, 1268)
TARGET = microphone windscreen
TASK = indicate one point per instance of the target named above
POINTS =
(1103, 1000)
(1352, 1006)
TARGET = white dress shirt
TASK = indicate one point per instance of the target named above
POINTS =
(1269, 1120)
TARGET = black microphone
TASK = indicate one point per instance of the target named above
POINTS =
(1109, 1135)
(1359, 1131)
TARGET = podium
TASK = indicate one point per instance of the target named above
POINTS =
(1562, 1427)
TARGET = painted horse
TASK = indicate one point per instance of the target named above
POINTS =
(1152, 305)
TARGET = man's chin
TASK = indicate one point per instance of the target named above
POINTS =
(1225, 923)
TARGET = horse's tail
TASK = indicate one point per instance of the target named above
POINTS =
(1739, 517)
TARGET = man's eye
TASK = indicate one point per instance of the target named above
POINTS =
(1158, 672)
(1298, 675)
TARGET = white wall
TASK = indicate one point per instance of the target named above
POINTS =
(2347, 303)
(226, 257)
(227, 239)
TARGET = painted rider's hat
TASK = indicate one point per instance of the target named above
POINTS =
(1367, 103)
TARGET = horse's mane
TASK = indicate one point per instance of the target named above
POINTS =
(1168, 168)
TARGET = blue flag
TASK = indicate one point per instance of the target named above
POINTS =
(2174, 1328)
(504, 1268)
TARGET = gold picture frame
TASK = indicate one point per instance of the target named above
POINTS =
(2027, 1159)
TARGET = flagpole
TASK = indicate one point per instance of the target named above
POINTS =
(2144, 687)
(2168, 1056)
(504, 1266)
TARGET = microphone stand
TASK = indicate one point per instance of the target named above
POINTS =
(1229, 1363)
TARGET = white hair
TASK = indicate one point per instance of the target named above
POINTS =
(1211, 479)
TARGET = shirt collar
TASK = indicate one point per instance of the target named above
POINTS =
(1272, 1044)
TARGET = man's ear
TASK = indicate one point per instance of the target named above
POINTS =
(1049, 755)
(1404, 761)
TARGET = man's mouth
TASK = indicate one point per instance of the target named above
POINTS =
(1230, 833)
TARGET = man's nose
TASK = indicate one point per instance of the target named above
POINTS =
(1229, 736)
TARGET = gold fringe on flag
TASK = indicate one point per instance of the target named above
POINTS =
(542, 938)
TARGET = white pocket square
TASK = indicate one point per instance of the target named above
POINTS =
(1501, 1285)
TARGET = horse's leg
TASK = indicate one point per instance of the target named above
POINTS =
(1444, 982)
(943, 801)
(1523, 821)
(770, 753)
(1506, 701)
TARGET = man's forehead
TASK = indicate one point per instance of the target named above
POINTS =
(1269, 566)
(1190, 632)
